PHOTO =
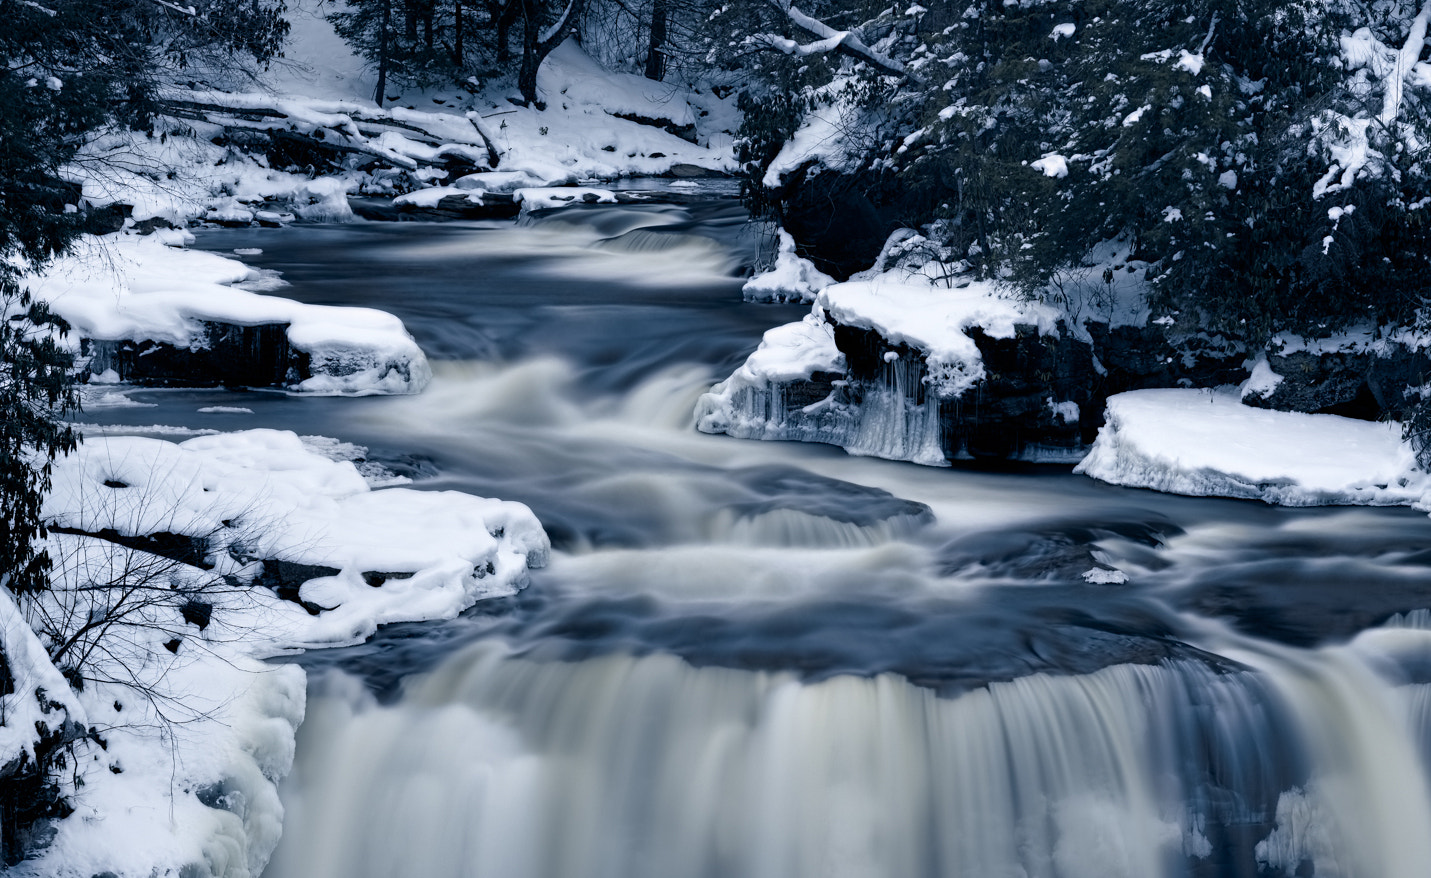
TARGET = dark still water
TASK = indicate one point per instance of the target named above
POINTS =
(765, 659)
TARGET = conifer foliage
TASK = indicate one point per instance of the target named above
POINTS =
(72, 67)
(1265, 160)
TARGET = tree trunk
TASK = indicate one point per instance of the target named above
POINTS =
(457, 52)
(505, 16)
(655, 54)
(536, 46)
(380, 92)
(527, 73)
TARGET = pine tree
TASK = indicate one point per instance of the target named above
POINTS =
(72, 67)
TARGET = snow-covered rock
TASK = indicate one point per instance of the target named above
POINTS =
(197, 730)
(136, 289)
(1208, 443)
(569, 76)
(791, 279)
(936, 321)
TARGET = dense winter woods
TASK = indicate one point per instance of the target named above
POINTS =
(1266, 160)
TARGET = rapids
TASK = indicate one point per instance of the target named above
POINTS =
(754, 659)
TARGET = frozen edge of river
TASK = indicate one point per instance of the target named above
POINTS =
(190, 729)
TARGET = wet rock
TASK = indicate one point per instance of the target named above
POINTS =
(285, 578)
(1357, 384)
(834, 223)
(182, 548)
(223, 355)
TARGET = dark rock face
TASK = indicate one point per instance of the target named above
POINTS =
(226, 356)
(1141, 357)
(1011, 409)
(1353, 384)
(1011, 413)
(285, 578)
(835, 224)
(1019, 409)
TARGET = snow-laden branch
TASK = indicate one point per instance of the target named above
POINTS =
(555, 31)
(829, 40)
(183, 10)
(790, 47)
(45, 9)
(402, 138)
(1405, 60)
(1207, 40)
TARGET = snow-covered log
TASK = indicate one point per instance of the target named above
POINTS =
(401, 138)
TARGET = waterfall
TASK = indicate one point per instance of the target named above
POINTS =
(622, 766)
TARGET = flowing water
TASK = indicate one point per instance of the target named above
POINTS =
(766, 659)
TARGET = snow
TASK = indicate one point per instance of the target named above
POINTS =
(820, 138)
(329, 90)
(1361, 339)
(1207, 443)
(1104, 576)
(1068, 411)
(790, 352)
(1134, 117)
(1191, 63)
(791, 279)
(569, 76)
(1405, 60)
(41, 698)
(1052, 165)
(317, 62)
(935, 321)
(1064, 31)
(129, 287)
(1262, 381)
(547, 197)
(186, 780)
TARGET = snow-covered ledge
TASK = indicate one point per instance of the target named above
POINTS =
(1208, 443)
(894, 366)
(191, 305)
(185, 781)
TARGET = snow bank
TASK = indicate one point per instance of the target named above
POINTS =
(265, 495)
(568, 75)
(186, 780)
(820, 139)
(181, 173)
(1208, 443)
(935, 321)
(791, 279)
(40, 701)
(131, 288)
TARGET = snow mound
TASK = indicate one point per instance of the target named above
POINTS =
(935, 321)
(568, 75)
(1207, 443)
(265, 495)
(820, 139)
(197, 730)
(41, 702)
(791, 352)
(132, 288)
(792, 279)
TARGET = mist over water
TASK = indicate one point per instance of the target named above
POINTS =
(771, 659)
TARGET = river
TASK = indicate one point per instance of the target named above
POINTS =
(754, 659)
